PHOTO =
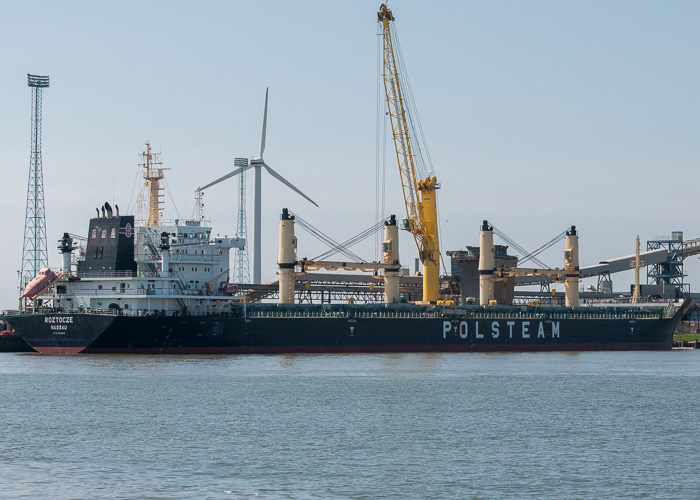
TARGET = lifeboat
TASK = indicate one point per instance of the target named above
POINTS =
(41, 281)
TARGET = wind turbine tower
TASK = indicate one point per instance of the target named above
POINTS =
(259, 164)
(241, 265)
(35, 254)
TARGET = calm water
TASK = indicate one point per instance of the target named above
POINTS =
(550, 425)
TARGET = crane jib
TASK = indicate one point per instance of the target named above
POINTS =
(421, 211)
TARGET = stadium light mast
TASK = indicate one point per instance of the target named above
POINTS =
(35, 253)
(241, 264)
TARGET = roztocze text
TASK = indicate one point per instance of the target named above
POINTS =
(58, 319)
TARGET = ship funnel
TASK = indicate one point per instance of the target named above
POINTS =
(103, 211)
(98, 212)
(116, 207)
(108, 207)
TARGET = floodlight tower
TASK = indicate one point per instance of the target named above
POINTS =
(241, 265)
(35, 255)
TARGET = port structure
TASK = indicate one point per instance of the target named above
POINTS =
(419, 195)
(670, 271)
(663, 259)
(241, 271)
(35, 252)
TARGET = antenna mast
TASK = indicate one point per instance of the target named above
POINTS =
(35, 253)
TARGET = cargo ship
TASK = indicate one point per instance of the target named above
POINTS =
(163, 287)
(340, 328)
(160, 286)
(265, 329)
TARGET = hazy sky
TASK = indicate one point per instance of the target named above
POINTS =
(538, 115)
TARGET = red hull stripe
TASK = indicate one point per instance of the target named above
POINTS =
(59, 350)
(663, 346)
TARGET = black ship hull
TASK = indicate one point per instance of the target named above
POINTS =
(11, 342)
(295, 332)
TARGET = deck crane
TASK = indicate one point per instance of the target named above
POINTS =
(419, 195)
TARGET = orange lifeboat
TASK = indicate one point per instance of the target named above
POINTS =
(41, 281)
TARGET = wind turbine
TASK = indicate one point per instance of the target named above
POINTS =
(258, 163)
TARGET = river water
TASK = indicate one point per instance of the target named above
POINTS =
(535, 425)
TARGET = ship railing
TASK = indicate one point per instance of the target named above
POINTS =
(354, 314)
(127, 291)
(630, 314)
(339, 314)
(178, 312)
(144, 258)
(540, 316)
(194, 257)
(70, 310)
(272, 313)
(158, 274)
(148, 258)
(205, 223)
(106, 274)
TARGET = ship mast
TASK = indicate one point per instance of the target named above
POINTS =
(153, 174)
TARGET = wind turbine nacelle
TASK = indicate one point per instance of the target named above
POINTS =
(257, 161)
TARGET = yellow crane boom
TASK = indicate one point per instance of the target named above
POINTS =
(208, 285)
(419, 195)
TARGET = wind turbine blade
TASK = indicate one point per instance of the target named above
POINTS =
(227, 176)
(264, 132)
(286, 182)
